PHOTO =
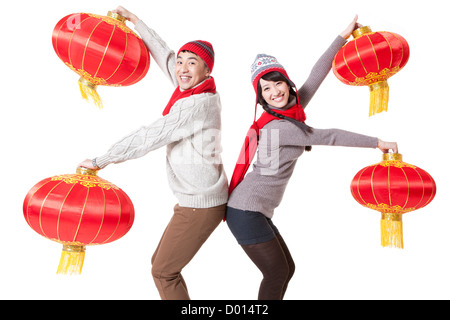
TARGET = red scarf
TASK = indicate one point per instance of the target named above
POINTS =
(206, 86)
(251, 141)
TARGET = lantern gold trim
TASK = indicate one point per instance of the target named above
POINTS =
(392, 157)
(360, 31)
(116, 16)
(86, 171)
(72, 259)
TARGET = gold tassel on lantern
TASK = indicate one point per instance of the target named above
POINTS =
(89, 92)
(379, 97)
(392, 230)
(72, 259)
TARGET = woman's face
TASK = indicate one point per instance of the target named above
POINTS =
(275, 93)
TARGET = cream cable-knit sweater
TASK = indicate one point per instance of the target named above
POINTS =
(191, 132)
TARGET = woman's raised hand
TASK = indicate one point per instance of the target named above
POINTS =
(351, 27)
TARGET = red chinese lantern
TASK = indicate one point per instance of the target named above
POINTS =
(102, 50)
(393, 188)
(78, 210)
(369, 60)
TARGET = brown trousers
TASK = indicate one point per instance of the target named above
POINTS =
(186, 232)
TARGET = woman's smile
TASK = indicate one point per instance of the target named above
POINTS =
(275, 93)
(278, 98)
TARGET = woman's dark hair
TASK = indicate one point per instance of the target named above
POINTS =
(277, 76)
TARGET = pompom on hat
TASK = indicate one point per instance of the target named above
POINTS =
(264, 64)
(203, 49)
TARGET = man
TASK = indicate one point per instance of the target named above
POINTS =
(190, 129)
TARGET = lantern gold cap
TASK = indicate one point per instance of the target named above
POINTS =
(73, 248)
(360, 31)
(87, 83)
(116, 16)
(90, 172)
(392, 157)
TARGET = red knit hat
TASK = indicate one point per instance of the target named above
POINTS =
(203, 49)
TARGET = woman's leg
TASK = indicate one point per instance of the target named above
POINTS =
(188, 229)
(289, 259)
(270, 259)
(286, 253)
(262, 242)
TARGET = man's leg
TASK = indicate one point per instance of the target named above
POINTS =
(188, 229)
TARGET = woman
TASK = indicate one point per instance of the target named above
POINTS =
(194, 167)
(283, 137)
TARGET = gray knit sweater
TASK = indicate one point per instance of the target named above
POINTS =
(282, 143)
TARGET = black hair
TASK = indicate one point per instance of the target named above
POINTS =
(277, 76)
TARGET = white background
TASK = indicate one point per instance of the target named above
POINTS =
(47, 129)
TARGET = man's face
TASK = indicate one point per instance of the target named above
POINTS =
(190, 70)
